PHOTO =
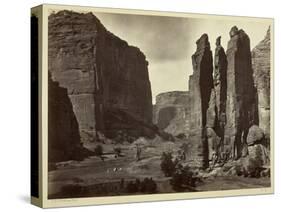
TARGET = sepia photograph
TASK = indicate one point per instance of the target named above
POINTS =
(154, 104)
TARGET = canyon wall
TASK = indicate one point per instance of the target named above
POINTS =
(170, 112)
(63, 131)
(106, 79)
(261, 69)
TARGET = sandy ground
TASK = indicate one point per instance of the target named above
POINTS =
(93, 170)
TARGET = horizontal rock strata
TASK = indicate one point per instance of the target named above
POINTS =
(105, 77)
(63, 130)
(170, 112)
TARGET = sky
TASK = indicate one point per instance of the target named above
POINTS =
(169, 42)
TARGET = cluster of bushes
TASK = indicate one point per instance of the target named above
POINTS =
(148, 185)
(98, 150)
(168, 165)
(181, 136)
(117, 151)
(122, 136)
(182, 177)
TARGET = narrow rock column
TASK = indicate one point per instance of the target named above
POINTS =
(240, 105)
(201, 84)
(220, 67)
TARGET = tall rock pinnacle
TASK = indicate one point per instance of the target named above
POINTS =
(240, 107)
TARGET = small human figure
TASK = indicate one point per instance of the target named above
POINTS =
(138, 153)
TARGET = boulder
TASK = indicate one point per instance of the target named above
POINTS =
(255, 135)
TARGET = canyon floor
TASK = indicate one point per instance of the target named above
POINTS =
(72, 175)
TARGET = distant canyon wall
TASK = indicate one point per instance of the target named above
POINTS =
(170, 111)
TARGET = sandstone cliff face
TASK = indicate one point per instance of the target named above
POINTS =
(220, 85)
(261, 69)
(240, 104)
(106, 79)
(224, 106)
(201, 85)
(170, 112)
(63, 131)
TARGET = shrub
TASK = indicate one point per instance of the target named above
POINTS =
(98, 151)
(132, 187)
(183, 178)
(168, 166)
(117, 151)
(148, 185)
(181, 136)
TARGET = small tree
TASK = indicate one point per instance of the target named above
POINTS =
(167, 165)
(148, 185)
(183, 178)
(117, 151)
(98, 151)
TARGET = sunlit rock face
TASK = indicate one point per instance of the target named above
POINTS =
(106, 79)
(200, 87)
(261, 69)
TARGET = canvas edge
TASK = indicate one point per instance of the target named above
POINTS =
(54, 203)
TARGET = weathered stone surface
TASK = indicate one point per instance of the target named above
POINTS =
(102, 73)
(259, 153)
(213, 142)
(200, 85)
(170, 112)
(240, 104)
(255, 135)
(63, 131)
(220, 83)
(261, 69)
(212, 111)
